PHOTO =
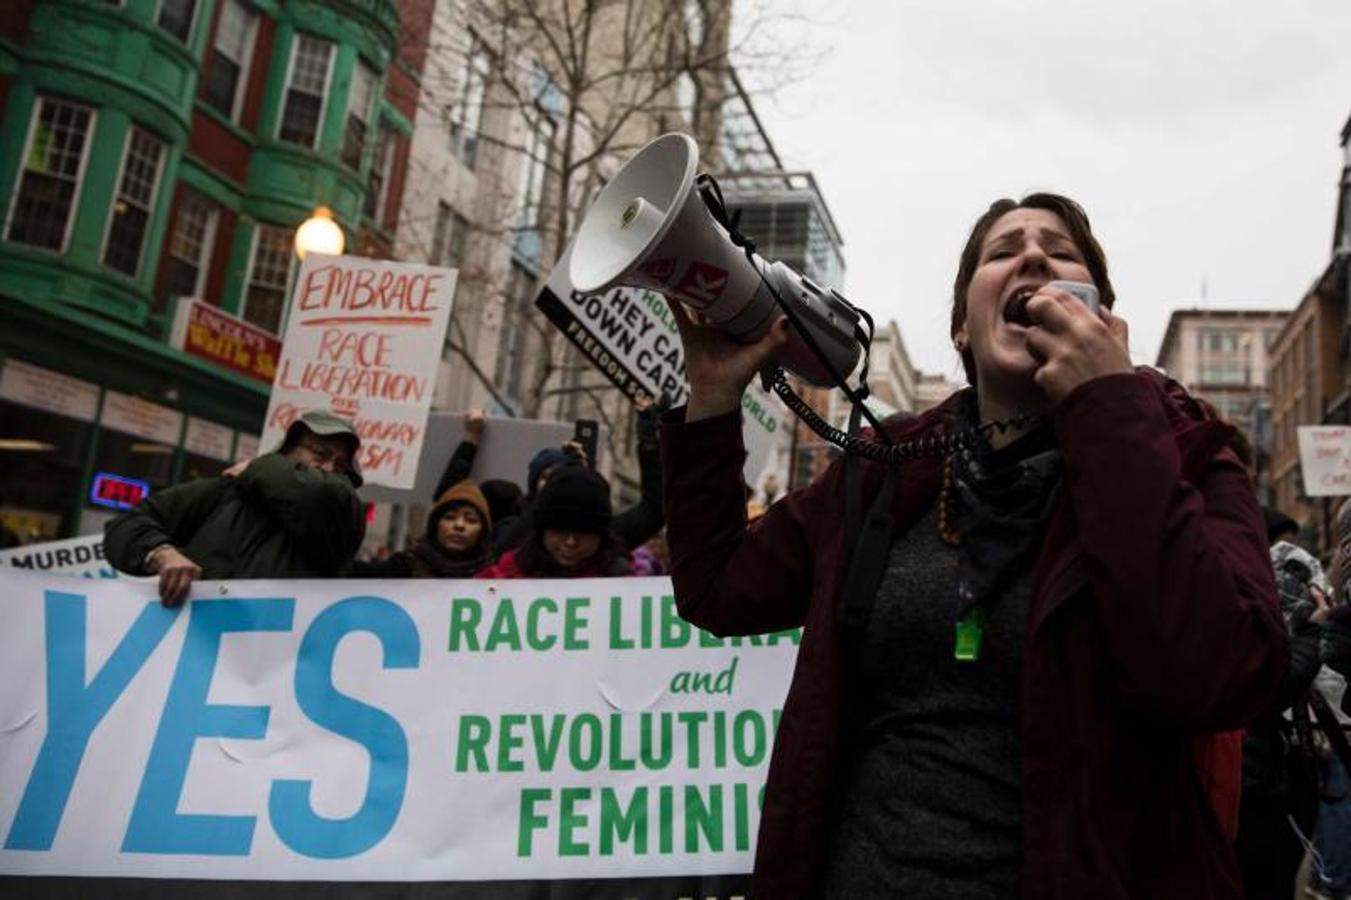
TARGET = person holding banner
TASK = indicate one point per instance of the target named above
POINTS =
(570, 534)
(292, 513)
(1066, 606)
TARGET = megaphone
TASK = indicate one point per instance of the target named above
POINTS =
(650, 228)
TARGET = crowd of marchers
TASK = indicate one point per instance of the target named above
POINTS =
(1153, 709)
(295, 513)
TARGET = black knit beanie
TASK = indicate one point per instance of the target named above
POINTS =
(575, 499)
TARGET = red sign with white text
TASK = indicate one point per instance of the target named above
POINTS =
(216, 336)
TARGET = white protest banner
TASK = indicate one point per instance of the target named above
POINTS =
(629, 335)
(504, 452)
(363, 339)
(416, 731)
(1325, 459)
(81, 556)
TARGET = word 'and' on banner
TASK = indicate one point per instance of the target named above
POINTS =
(629, 336)
(379, 731)
(363, 340)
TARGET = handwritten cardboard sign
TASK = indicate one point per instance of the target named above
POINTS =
(1325, 459)
(630, 336)
(363, 340)
(504, 452)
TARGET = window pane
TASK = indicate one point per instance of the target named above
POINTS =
(311, 65)
(180, 278)
(189, 245)
(123, 252)
(459, 233)
(175, 17)
(377, 180)
(353, 140)
(440, 234)
(232, 32)
(228, 57)
(46, 192)
(358, 115)
(269, 277)
(222, 76)
(300, 120)
(135, 198)
(466, 113)
(305, 93)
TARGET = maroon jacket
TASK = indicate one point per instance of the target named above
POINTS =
(1153, 620)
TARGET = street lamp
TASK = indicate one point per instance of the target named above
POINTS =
(320, 234)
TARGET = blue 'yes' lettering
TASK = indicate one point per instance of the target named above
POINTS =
(293, 816)
(75, 708)
(156, 825)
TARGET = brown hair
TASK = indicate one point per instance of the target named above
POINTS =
(1075, 219)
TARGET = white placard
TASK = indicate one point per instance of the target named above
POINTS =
(363, 340)
(81, 556)
(208, 439)
(141, 418)
(504, 451)
(44, 389)
(1325, 459)
(407, 730)
(629, 335)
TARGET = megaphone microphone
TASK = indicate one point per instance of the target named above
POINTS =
(651, 228)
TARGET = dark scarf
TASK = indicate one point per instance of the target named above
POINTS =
(611, 560)
(431, 560)
(1005, 499)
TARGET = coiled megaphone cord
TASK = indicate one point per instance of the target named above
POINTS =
(717, 207)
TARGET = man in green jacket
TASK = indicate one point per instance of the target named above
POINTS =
(293, 513)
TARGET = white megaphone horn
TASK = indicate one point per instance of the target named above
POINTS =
(650, 228)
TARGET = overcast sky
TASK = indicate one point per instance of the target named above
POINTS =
(1200, 135)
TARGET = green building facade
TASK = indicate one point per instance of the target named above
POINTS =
(152, 150)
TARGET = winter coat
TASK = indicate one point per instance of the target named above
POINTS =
(508, 566)
(276, 519)
(1153, 620)
(425, 559)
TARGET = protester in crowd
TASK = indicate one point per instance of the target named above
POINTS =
(653, 558)
(570, 534)
(455, 545)
(1280, 779)
(292, 513)
(633, 526)
(1330, 876)
(1011, 707)
(505, 501)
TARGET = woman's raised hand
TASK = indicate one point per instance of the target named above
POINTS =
(1074, 344)
(717, 365)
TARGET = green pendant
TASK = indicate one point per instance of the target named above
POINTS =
(970, 630)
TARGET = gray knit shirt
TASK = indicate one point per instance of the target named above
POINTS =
(931, 803)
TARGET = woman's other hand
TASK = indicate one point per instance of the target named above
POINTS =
(1074, 344)
(719, 366)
